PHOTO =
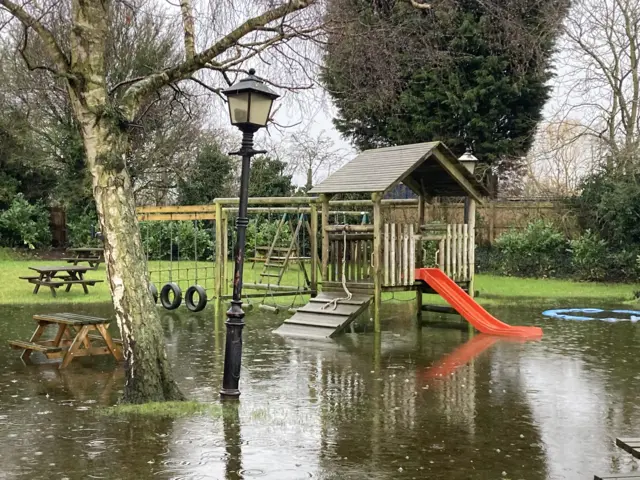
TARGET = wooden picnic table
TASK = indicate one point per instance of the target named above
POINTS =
(58, 276)
(92, 255)
(72, 338)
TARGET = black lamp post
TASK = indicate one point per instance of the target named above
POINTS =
(250, 102)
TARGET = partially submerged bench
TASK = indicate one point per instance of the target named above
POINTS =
(72, 338)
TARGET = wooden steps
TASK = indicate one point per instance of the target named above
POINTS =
(315, 321)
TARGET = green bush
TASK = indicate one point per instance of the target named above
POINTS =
(79, 230)
(590, 257)
(25, 224)
(540, 250)
(177, 240)
(261, 233)
(609, 205)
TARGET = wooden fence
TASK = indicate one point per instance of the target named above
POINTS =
(493, 218)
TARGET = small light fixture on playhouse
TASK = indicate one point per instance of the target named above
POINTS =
(250, 102)
(469, 160)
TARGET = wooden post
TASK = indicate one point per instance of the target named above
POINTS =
(324, 200)
(219, 251)
(454, 251)
(387, 250)
(313, 241)
(376, 197)
(447, 251)
(459, 251)
(412, 255)
(421, 221)
(492, 221)
(472, 246)
(405, 255)
(394, 259)
(465, 251)
(225, 250)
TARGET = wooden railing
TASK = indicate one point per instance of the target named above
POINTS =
(456, 249)
(351, 251)
(399, 254)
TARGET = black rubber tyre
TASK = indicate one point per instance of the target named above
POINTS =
(177, 296)
(202, 298)
(153, 290)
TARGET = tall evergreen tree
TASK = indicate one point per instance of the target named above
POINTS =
(470, 73)
(268, 178)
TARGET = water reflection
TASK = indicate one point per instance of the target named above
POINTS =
(408, 403)
(232, 441)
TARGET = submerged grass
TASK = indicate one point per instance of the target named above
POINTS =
(163, 410)
(493, 289)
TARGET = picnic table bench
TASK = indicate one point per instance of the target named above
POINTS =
(629, 445)
(93, 256)
(58, 276)
(72, 338)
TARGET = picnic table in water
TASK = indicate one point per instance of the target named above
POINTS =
(72, 339)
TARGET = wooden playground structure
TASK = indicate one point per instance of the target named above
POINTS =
(365, 249)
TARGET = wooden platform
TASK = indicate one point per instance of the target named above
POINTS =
(315, 321)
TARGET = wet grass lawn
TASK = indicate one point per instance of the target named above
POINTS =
(492, 289)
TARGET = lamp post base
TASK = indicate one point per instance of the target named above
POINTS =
(229, 393)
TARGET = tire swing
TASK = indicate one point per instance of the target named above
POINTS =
(153, 290)
(168, 303)
(171, 287)
(195, 289)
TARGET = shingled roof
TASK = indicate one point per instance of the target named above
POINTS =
(429, 169)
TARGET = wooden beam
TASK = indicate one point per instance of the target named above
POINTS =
(269, 201)
(349, 228)
(176, 209)
(270, 209)
(171, 217)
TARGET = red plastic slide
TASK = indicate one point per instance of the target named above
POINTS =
(473, 313)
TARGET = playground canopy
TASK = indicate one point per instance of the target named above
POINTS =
(429, 169)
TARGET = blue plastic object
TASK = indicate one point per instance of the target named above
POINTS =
(567, 314)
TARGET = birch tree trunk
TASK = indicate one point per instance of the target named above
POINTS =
(106, 142)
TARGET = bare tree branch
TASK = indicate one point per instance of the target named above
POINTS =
(49, 41)
(186, 10)
(140, 89)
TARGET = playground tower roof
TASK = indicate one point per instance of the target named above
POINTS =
(429, 169)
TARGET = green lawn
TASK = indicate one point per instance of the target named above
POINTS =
(493, 289)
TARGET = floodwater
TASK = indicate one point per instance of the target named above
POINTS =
(401, 406)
